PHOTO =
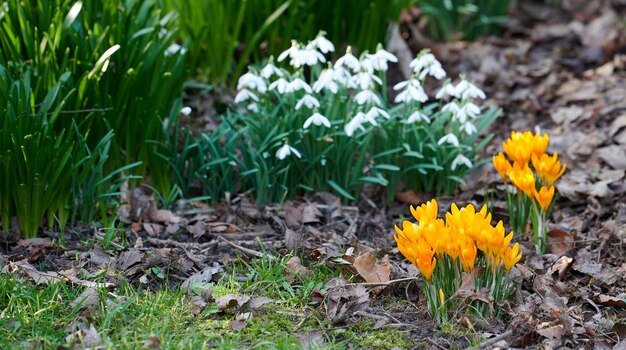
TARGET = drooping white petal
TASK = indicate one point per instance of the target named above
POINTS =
(447, 89)
(449, 138)
(401, 85)
(417, 116)
(286, 150)
(468, 127)
(323, 44)
(270, 69)
(316, 119)
(186, 110)
(460, 159)
(348, 60)
(367, 96)
(309, 101)
(298, 84)
(375, 112)
(279, 85)
(245, 95)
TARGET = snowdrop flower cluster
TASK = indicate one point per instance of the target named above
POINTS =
(358, 78)
(315, 102)
(457, 100)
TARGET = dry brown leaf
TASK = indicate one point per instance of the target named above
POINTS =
(258, 302)
(560, 266)
(613, 155)
(99, 257)
(249, 209)
(372, 271)
(467, 287)
(310, 214)
(231, 301)
(129, 258)
(51, 276)
(551, 332)
(292, 238)
(587, 267)
(409, 197)
(612, 301)
(294, 267)
(344, 301)
(327, 251)
(204, 276)
(40, 243)
(88, 299)
(560, 242)
(237, 325)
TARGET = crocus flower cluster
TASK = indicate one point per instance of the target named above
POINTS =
(533, 173)
(441, 249)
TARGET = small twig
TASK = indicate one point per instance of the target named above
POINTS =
(434, 343)
(374, 316)
(494, 340)
(182, 245)
(289, 313)
(246, 250)
(385, 283)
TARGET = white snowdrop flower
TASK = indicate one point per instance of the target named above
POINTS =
(366, 80)
(357, 123)
(343, 77)
(323, 44)
(380, 59)
(311, 56)
(449, 138)
(316, 119)
(447, 89)
(252, 81)
(367, 96)
(171, 50)
(294, 50)
(348, 60)
(375, 112)
(309, 101)
(468, 90)
(245, 95)
(457, 112)
(426, 64)
(298, 56)
(417, 116)
(270, 69)
(471, 110)
(352, 125)
(468, 127)
(326, 80)
(254, 107)
(434, 70)
(298, 84)
(286, 150)
(460, 160)
(423, 60)
(366, 118)
(279, 85)
(186, 110)
(412, 92)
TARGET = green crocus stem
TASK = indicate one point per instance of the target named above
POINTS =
(539, 233)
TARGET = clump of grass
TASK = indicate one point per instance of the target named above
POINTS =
(119, 55)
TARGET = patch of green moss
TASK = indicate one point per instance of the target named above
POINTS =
(362, 335)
